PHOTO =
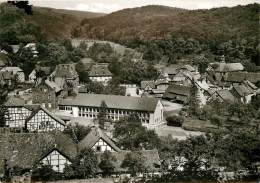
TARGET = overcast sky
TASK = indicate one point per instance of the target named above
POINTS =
(108, 6)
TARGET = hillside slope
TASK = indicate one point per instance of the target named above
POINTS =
(152, 22)
(53, 23)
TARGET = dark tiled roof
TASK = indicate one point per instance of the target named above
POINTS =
(25, 149)
(92, 138)
(226, 95)
(179, 90)
(228, 67)
(98, 70)
(46, 70)
(53, 85)
(242, 90)
(15, 101)
(239, 77)
(112, 101)
(66, 71)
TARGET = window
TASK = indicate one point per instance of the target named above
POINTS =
(98, 148)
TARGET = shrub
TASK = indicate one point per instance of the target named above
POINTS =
(175, 120)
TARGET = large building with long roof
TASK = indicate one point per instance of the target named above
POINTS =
(149, 110)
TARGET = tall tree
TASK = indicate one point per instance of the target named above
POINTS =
(102, 115)
(3, 110)
(134, 162)
(107, 163)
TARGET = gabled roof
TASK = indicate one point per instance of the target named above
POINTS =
(52, 85)
(239, 77)
(26, 149)
(100, 69)
(242, 90)
(179, 90)
(161, 81)
(15, 48)
(227, 67)
(145, 84)
(46, 70)
(187, 67)
(14, 70)
(48, 113)
(112, 101)
(226, 95)
(3, 59)
(87, 63)
(66, 71)
(14, 101)
(93, 137)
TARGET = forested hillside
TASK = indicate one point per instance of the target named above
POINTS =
(17, 26)
(153, 22)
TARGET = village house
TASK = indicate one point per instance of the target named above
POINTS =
(98, 141)
(38, 74)
(41, 120)
(17, 112)
(3, 60)
(239, 77)
(25, 150)
(154, 88)
(218, 71)
(244, 91)
(66, 77)
(87, 63)
(178, 73)
(15, 48)
(223, 95)
(100, 73)
(46, 94)
(150, 110)
(178, 93)
(32, 47)
(6, 78)
(147, 86)
(15, 71)
(130, 90)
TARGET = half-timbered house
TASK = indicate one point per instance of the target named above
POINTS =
(98, 141)
(56, 159)
(25, 150)
(17, 112)
(41, 120)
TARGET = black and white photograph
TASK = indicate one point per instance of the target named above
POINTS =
(130, 91)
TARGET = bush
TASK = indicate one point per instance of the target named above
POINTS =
(175, 120)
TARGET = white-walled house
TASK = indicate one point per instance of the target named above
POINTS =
(100, 73)
(56, 159)
(98, 141)
(149, 110)
(41, 120)
(17, 112)
(15, 71)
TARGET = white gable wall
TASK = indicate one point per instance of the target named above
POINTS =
(42, 122)
(102, 146)
(16, 117)
(156, 118)
(56, 160)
